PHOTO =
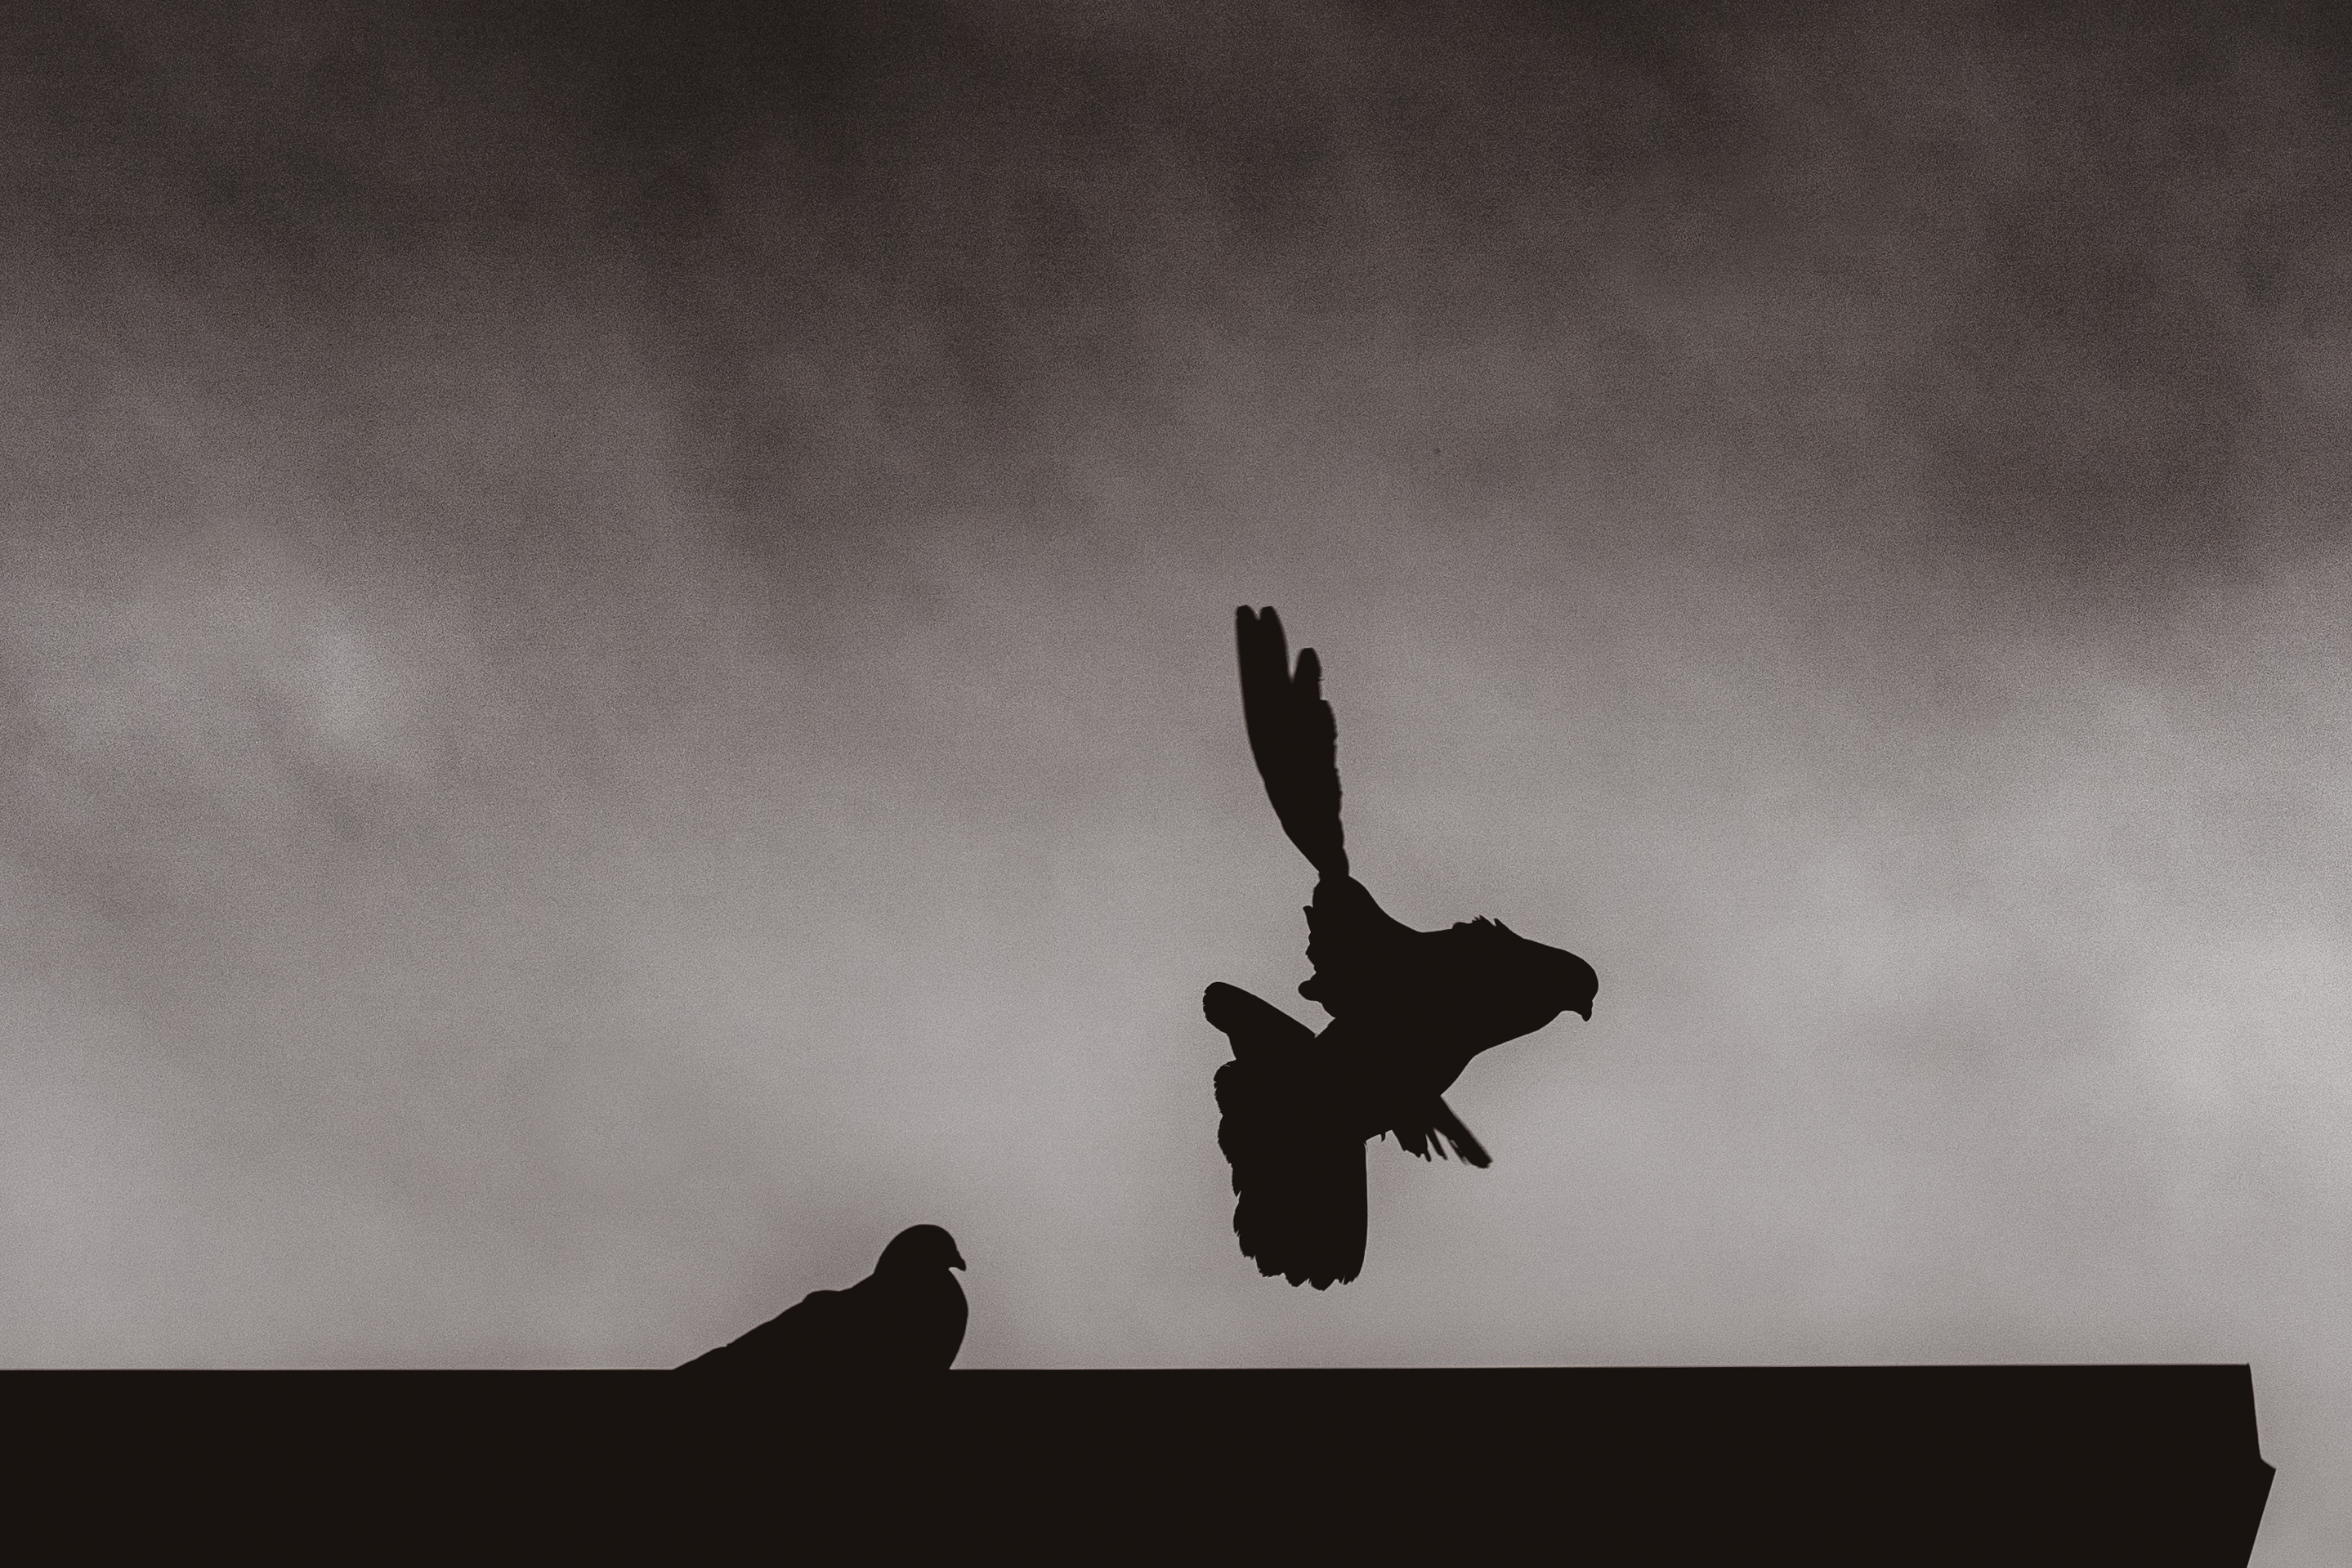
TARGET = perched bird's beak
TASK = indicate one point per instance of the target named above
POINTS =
(959, 1261)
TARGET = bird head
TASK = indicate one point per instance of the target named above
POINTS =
(1573, 980)
(1537, 982)
(918, 1248)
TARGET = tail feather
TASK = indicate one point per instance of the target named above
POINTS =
(1293, 737)
(1299, 1176)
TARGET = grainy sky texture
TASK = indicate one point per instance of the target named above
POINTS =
(615, 651)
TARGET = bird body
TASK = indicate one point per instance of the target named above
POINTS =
(907, 1316)
(1410, 1008)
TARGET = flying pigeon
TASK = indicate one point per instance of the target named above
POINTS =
(1408, 1008)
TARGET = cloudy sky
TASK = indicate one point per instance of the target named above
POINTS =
(615, 651)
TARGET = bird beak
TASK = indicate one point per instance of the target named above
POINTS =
(959, 1261)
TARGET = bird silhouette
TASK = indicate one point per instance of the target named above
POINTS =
(1408, 1008)
(906, 1316)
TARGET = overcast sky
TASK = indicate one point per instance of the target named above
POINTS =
(616, 649)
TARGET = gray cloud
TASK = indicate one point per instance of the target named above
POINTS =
(613, 639)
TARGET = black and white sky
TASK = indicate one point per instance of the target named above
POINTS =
(616, 653)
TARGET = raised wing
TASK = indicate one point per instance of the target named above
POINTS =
(1293, 737)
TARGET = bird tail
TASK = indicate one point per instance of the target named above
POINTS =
(1298, 1170)
(1293, 737)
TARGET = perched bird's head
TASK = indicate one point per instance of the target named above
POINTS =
(918, 1248)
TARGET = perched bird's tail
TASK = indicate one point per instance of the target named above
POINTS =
(1298, 1168)
(1293, 737)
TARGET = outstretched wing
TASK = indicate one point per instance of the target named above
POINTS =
(1437, 1126)
(1252, 1024)
(1293, 737)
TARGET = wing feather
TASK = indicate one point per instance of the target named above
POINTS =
(1293, 737)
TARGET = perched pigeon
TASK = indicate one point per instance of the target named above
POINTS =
(1408, 1008)
(906, 1316)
